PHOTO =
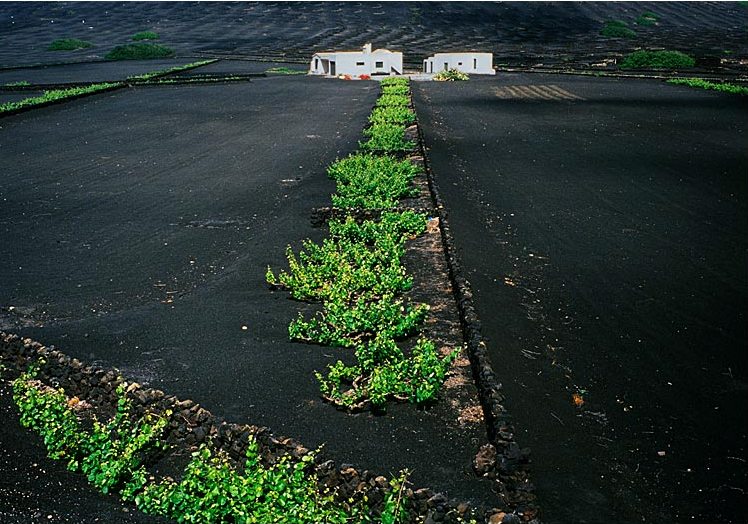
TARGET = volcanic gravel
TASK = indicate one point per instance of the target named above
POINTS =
(516, 32)
(604, 227)
(137, 235)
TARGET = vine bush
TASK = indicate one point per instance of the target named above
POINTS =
(56, 94)
(392, 115)
(386, 137)
(210, 490)
(713, 86)
(358, 277)
(367, 181)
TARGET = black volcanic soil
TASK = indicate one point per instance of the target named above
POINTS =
(606, 239)
(137, 233)
(35, 489)
(91, 72)
(518, 33)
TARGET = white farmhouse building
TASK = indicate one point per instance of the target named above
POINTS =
(356, 63)
(470, 63)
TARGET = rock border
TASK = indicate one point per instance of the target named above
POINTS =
(502, 458)
(190, 425)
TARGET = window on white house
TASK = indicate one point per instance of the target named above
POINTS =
(316, 63)
(459, 63)
(446, 66)
(359, 64)
(475, 63)
(379, 64)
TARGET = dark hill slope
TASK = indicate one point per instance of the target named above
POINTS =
(517, 32)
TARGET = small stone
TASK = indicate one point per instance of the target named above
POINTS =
(485, 460)
(496, 518)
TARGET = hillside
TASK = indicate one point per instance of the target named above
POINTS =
(518, 33)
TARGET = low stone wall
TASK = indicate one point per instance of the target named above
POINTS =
(501, 458)
(190, 425)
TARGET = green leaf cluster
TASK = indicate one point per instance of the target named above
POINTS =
(395, 81)
(712, 86)
(386, 137)
(617, 29)
(657, 60)
(392, 100)
(56, 94)
(383, 371)
(69, 44)
(212, 490)
(145, 35)
(451, 75)
(111, 455)
(647, 18)
(367, 181)
(392, 115)
(396, 90)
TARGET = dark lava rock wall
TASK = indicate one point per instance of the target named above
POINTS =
(518, 33)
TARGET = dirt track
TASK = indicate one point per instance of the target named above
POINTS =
(606, 238)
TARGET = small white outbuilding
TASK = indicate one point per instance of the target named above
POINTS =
(468, 62)
(356, 63)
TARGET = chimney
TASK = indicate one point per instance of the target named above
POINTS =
(367, 49)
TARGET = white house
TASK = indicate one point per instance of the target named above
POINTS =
(471, 63)
(355, 63)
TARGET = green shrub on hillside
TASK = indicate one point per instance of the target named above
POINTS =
(657, 60)
(139, 51)
(69, 44)
(617, 29)
(145, 35)
(647, 18)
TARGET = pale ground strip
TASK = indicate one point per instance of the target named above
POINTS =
(535, 92)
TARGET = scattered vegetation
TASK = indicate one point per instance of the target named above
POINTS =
(284, 71)
(657, 60)
(358, 277)
(386, 137)
(20, 83)
(69, 44)
(111, 455)
(714, 86)
(57, 94)
(139, 51)
(145, 35)
(114, 456)
(451, 75)
(647, 18)
(617, 29)
(161, 72)
(392, 115)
